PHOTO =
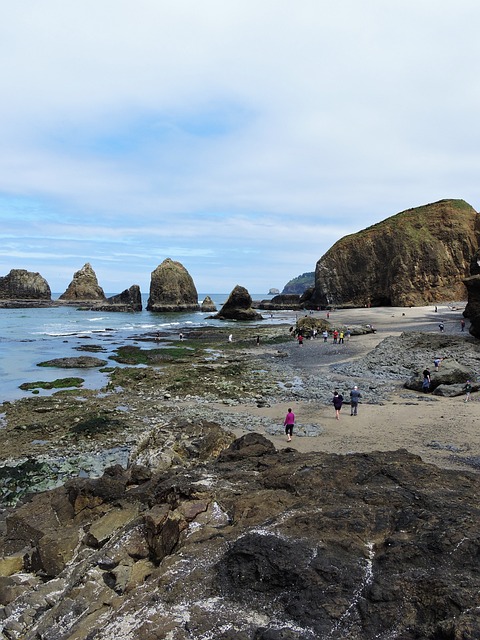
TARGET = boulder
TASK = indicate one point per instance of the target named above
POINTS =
(172, 288)
(238, 306)
(208, 305)
(84, 286)
(417, 257)
(451, 372)
(20, 284)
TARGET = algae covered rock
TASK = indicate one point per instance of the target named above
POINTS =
(172, 288)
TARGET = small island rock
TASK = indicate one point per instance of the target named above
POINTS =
(208, 305)
(20, 284)
(238, 306)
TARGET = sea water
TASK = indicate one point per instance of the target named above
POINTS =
(30, 336)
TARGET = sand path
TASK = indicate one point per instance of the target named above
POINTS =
(437, 429)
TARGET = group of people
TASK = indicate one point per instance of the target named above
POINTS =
(338, 401)
(338, 336)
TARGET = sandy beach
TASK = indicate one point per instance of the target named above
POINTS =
(435, 428)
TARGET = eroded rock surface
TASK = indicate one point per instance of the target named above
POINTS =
(257, 543)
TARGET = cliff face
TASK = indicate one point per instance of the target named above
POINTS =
(84, 286)
(416, 257)
(20, 284)
(172, 288)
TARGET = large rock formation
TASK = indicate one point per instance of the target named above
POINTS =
(172, 288)
(416, 257)
(20, 284)
(280, 302)
(238, 306)
(472, 310)
(255, 544)
(84, 286)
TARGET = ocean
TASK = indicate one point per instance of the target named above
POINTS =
(30, 336)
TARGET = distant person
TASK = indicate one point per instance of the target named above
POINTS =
(462, 324)
(325, 335)
(441, 326)
(300, 339)
(341, 337)
(436, 309)
(230, 338)
(288, 424)
(426, 380)
(348, 333)
(337, 403)
(335, 336)
(468, 390)
(437, 362)
(258, 341)
(181, 336)
(355, 396)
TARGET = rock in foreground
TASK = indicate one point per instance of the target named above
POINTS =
(259, 544)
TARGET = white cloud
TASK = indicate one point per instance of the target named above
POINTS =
(146, 128)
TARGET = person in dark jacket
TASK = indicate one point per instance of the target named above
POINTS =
(337, 403)
(355, 396)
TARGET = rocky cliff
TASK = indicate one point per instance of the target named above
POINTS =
(416, 257)
(20, 284)
(247, 542)
(172, 288)
(299, 284)
(472, 310)
(84, 286)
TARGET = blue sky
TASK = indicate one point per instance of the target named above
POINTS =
(241, 138)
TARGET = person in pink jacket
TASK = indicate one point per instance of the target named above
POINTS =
(288, 424)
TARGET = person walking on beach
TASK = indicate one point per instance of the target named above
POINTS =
(288, 424)
(325, 335)
(441, 326)
(300, 339)
(462, 324)
(337, 403)
(355, 396)
(426, 380)
(468, 390)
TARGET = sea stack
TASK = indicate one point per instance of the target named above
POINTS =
(172, 288)
(84, 286)
(208, 305)
(238, 306)
(20, 284)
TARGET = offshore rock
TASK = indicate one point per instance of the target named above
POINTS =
(208, 305)
(172, 288)
(20, 284)
(416, 257)
(84, 286)
(280, 302)
(277, 543)
(238, 306)
(128, 300)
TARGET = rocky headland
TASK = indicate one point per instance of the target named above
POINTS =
(206, 523)
(417, 257)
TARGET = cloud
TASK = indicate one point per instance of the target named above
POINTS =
(243, 137)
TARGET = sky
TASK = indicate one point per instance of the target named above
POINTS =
(242, 138)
